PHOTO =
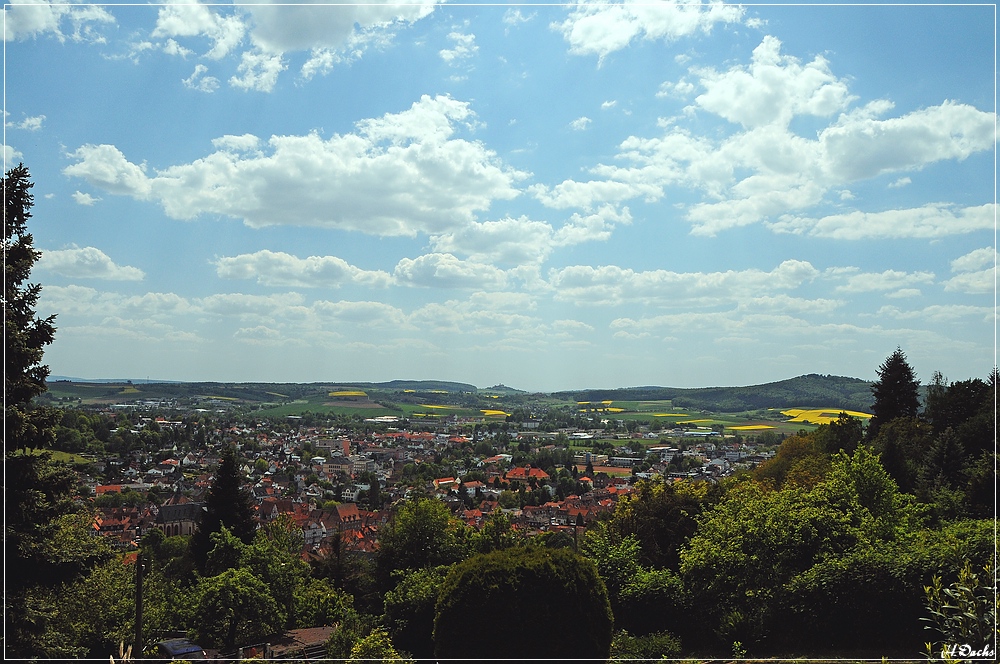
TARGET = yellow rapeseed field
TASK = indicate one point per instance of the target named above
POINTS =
(821, 415)
(348, 393)
(491, 412)
(751, 427)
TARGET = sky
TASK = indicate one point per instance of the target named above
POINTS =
(551, 197)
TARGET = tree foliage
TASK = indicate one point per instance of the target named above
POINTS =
(235, 607)
(421, 534)
(25, 334)
(896, 392)
(554, 590)
(227, 504)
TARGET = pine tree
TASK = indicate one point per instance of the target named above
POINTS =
(25, 335)
(227, 504)
(46, 541)
(896, 392)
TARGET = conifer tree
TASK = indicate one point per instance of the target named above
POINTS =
(227, 504)
(896, 392)
(25, 335)
(46, 543)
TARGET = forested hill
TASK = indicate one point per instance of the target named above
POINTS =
(812, 390)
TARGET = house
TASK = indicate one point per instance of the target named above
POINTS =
(523, 474)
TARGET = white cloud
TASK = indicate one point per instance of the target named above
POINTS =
(976, 272)
(772, 89)
(177, 19)
(447, 271)
(249, 307)
(400, 174)
(930, 221)
(858, 146)
(271, 268)
(258, 71)
(513, 17)
(901, 182)
(884, 281)
(608, 104)
(765, 171)
(601, 28)
(515, 241)
(279, 27)
(10, 155)
(86, 262)
(975, 260)
(198, 80)
(84, 199)
(23, 19)
(580, 123)
(32, 123)
(939, 313)
(171, 47)
(106, 167)
(464, 48)
(612, 285)
(374, 314)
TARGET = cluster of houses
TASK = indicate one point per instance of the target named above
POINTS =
(291, 474)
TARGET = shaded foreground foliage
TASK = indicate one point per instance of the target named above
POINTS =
(555, 593)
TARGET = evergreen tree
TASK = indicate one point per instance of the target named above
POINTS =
(896, 392)
(25, 335)
(46, 541)
(227, 504)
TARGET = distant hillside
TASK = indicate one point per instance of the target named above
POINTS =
(812, 390)
(421, 386)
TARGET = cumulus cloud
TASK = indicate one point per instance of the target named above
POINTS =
(515, 241)
(105, 166)
(198, 81)
(580, 123)
(29, 123)
(84, 199)
(772, 89)
(258, 71)
(23, 19)
(271, 268)
(267, 31)
(884, 281)
(177, 19)
(87, 263)
(976, 272)
(613, 285)
(933, 220)
(464, 48)
(765, 172)
(601, 28)
(401, 174)
(447, 271)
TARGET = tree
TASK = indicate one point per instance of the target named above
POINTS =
(25, 335)
(421, 534)
(227, 504)
(556, 590)
(409, 611)
(235, 608)
(46, 541)
(896, 392)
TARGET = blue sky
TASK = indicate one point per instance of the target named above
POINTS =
(550, 197)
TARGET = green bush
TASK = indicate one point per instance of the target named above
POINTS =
(555, 594)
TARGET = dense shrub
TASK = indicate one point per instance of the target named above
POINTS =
(556, 595)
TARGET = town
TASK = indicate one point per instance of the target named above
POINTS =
(330, 479)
